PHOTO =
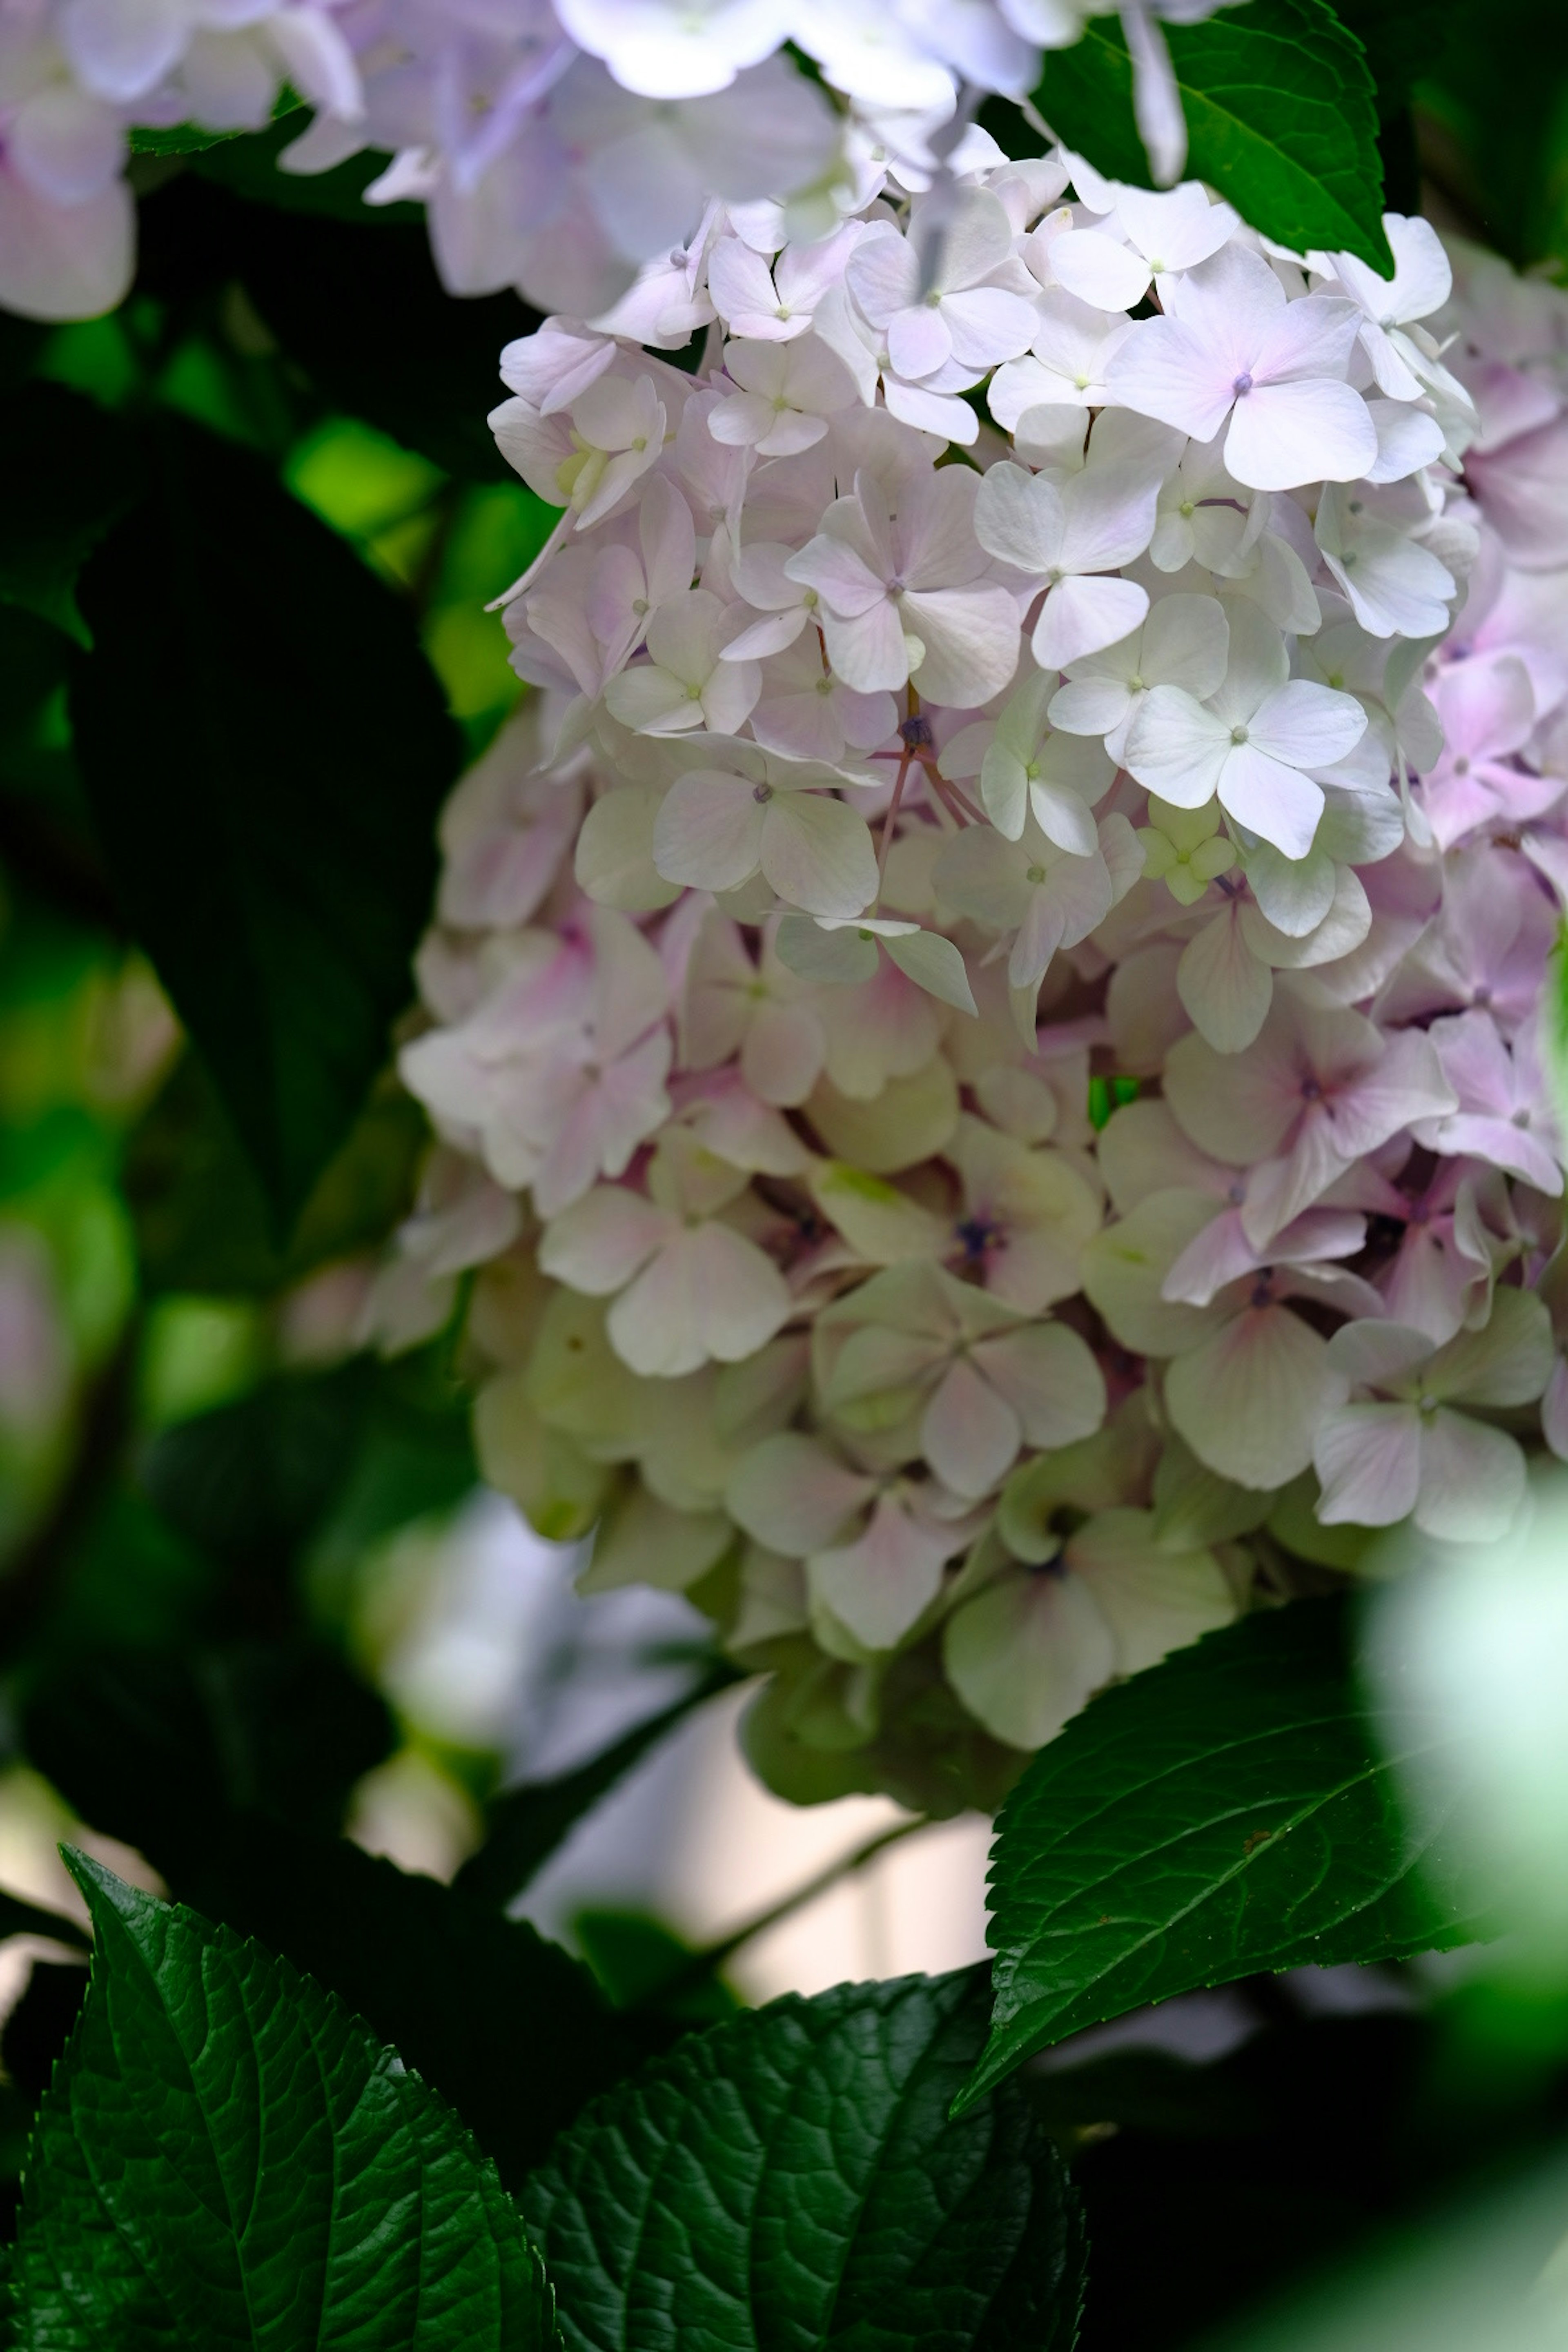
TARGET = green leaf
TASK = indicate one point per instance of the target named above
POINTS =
(202, 1218)
(193, 138)
(789, 2180)
(250, 1481)
(164, 1750)
(229, 2157)
(524, 1826)
(459, 1989)
(67, 470)
(265, 751)
(1228, 1811)
(1282, 119)
(326, 288)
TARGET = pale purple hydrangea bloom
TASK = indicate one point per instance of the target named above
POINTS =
(558, 145)
(1189, 751)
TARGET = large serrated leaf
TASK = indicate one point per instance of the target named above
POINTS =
(788, 2182)
(227, 2155)
(1282, 119)
(144, 1752)
(1231, 1810)
(264, 749)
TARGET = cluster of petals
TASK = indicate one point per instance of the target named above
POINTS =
(983, 1023)
(558, 145)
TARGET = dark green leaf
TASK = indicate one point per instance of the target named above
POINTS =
(250, 1481)
(192, 139)
(789, 2180)
(1229, 1812)
(164, 1750)
(459, 1990)
(333, 289)
(524, 1826)
(250, 167)
(1282, 119)
(275, 853)
(229, 2157)
(644, 1965)
(67, 470)
(201, 1217)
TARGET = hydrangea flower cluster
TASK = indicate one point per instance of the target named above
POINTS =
(558, 144)
(984, 1017)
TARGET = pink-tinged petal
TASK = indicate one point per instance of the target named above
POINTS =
(1154, 1600)
(1097, 270)
(919, 342)
(1278, 1191)
(1314, 337)
(818, 854)
(1404, 1085)
(1554, 1411)
(1276, 802)
(1310, 726)
(1084, 617)
(1504, 1144)
(1109, 517)
(971, 639)
(1026, 1653)
(985, 325)
(781, 1058)
(791, 1494)
(1223, 987)
(741, 285)
(1283, 435)
(884, 274)
(1239, 1107)
(1508, 1361)
(1165, 369)
(1487, 706)
(1051, 1379)
(841, 575)
(878, 1587)
(1368, 1460)
(1248, 1399)
(65, 261)
(1472, 1480)
(598, 1243)
(969, 1434)
(1177, 748)
(868, 651)
(1019, 518)
(709, 831)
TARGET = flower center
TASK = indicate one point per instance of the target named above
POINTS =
(1242, 385)
(1239, 734)
(761, 792)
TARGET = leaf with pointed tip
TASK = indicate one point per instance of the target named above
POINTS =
(274, 851)
(1280, 112)
(523, 1826)
(1228, 1811)
(789, 2182)
(226, 2155)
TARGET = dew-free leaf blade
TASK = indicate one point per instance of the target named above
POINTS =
(1280, 111)
(228, 2155)
(789, 2180)
(1231, 1810)
(264, 765)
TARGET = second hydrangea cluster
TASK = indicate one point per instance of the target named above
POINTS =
(983, 1018)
